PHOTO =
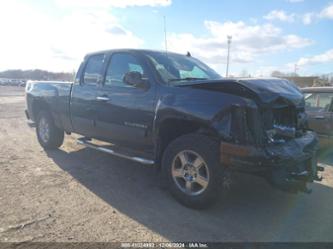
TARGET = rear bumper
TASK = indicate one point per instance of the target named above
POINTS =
(29, 121)
(28, 111)
(27, 114)
(288, 166)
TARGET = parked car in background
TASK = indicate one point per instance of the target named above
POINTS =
(319, 107)
(22, 83)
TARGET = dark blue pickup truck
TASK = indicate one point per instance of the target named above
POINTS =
(174, 112)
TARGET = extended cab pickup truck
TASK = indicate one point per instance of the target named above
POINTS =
(174, 112)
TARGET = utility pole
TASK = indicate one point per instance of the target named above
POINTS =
(295, 69)
(229, 37)
(165, 35)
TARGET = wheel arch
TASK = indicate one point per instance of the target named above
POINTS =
(173, 127)
(40, 104)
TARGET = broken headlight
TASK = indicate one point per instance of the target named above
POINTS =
(240, 124)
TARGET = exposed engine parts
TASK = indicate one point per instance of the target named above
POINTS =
(281, 132)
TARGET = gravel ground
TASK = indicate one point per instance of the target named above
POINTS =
(77, 194)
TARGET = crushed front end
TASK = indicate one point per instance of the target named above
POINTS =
(271, 140)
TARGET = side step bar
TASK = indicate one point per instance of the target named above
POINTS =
(86, 143)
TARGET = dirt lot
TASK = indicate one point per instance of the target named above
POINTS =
(77, 194)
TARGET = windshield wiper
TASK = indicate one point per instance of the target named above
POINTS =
(187, 79)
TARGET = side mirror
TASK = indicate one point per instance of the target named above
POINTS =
(135, 79)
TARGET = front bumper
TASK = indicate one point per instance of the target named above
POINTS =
(287, 166)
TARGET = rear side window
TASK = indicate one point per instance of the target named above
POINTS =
(78, 74)
(93, 71)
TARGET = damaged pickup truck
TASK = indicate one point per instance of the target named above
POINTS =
(174, 112)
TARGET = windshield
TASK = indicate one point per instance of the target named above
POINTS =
(176, 69)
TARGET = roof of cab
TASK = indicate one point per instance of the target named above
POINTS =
(328, 89)
(127, 50)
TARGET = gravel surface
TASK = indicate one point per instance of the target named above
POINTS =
(78, 194)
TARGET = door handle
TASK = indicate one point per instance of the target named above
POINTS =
(102, 98)
(319, 117)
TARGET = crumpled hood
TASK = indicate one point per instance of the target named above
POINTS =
(269, 90)
(266, 90)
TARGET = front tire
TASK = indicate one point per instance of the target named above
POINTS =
(191, 166)
(49, 136)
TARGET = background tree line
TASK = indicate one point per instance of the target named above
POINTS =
(36, 74)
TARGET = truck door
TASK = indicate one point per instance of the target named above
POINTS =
(83, 99)
(125, 113)
(319, 109)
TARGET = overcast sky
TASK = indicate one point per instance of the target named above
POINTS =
(267, 35)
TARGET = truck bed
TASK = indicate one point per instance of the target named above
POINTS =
(54, 95)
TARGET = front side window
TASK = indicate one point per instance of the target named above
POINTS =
(121, 63)
(318, 102)
(325, 100)
(310, 101)
(176, 69)
(94, 69)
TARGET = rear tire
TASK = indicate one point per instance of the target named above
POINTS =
(192, 170)
(49, 136)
